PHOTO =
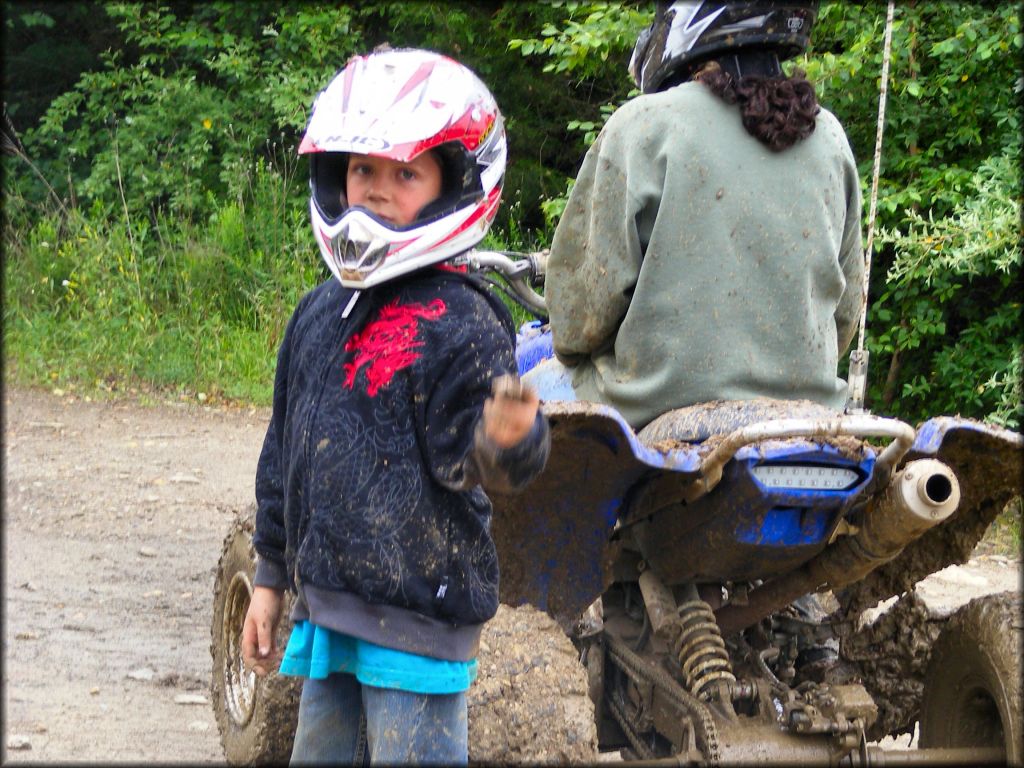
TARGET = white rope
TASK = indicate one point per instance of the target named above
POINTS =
(875, 172)
(858, 374)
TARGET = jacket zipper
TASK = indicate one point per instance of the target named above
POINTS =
(325, 376)
(307, 442)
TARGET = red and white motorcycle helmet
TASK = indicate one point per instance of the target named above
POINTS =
(398, 104)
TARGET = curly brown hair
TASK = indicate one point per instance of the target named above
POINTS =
(777, 111)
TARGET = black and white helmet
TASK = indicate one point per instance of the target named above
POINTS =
(684, 35)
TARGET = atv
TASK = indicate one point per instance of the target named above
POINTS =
(698, 591)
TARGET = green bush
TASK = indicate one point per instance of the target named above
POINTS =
(961, 276)
(162, 127)
(173, 304)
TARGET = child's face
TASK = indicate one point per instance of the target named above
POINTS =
(393, 190)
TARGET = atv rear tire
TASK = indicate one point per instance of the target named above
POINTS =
(972, 689)
(255, 716)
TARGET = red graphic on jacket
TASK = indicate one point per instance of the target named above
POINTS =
(387, 344)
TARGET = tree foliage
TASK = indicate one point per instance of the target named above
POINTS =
(172, 127)
(199, 89)
(944, 310)
(162, 122)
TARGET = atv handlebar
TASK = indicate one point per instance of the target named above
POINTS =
(521, 271)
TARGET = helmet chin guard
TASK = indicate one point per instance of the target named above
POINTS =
(362, 251)
(357, 253)
(398, 104)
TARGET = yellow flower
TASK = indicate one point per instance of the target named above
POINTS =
(207, 123)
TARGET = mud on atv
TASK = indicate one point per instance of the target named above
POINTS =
(958, 676)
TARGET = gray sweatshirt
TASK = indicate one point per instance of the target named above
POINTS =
(693, 263)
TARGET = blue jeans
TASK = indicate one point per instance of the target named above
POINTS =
(344, 722)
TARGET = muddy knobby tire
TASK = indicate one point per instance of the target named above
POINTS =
(530, 703)
(255, 716)
(972, 689)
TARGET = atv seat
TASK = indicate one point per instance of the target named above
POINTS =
(696, 423)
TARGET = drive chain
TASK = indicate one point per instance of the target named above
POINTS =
(644, 752)
(639, 671)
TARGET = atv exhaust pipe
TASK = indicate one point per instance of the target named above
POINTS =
(921, 495)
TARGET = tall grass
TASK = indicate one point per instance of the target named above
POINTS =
(94, 299)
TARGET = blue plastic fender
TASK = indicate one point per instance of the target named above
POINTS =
(555, 541)
(554, 538)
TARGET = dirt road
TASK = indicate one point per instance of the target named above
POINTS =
(113, 516)
(113, 519)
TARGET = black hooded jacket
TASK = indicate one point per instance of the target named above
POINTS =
(368, 485)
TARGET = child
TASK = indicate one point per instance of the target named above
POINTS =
(368, 487)
(711, 246)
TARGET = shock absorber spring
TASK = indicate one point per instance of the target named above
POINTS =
(700, 649)
(691, 631)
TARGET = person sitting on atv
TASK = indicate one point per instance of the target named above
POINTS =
(711, 246)
(387, 421)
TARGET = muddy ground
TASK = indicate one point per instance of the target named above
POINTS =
(113, 518)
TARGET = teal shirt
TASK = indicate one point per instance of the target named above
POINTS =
(692, 263)
(317, 652)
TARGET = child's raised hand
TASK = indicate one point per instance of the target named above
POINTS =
(259, 651)
(510, 412)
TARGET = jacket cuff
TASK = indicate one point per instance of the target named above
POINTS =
(510, 469)
(270, 574)
(536, 439)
